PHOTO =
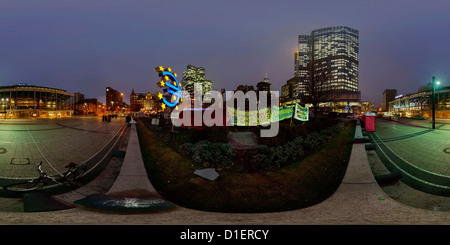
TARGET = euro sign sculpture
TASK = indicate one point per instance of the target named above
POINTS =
(172, 86)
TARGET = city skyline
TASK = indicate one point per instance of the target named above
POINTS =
(86, 46)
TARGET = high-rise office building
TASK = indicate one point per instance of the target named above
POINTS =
(329, 56)
(195, 75)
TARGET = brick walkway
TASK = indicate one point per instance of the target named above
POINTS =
(420, 153)
(55, 142)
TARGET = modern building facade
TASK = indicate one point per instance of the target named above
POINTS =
(327, 65)
(114, 100)
(30, 101)
(420, 104)
(388, 96)
(287, 92)
(195, 75)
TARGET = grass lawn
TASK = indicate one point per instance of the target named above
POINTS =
(301, 184)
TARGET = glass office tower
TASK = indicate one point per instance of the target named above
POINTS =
(331, 56)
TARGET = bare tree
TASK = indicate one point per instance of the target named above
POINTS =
(316, 85)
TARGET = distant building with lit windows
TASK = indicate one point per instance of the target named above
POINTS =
(419, 105)
(31, 101)
(88, 107)
(144, 102)
(114, 100)
(388, 96)
(367, 106)
(195, 75)
(331, 55)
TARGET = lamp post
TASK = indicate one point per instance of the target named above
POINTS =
(4, 106)
(4, 103)
(433, 86)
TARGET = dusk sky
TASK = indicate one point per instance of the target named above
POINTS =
(87, 45)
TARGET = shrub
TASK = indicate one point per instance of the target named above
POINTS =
(278, 152)
(186, 149)
(270, 157)
(278, 156)
(263, 158)
(312, 142)
(212, 154)
(294, 150)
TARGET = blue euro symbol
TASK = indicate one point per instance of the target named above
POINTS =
(347, 108)
(172, 89)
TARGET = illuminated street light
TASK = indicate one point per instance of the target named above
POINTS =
(433, 86)
(4, 102)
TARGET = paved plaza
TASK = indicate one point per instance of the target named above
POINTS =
(55, 142)
(421, 154)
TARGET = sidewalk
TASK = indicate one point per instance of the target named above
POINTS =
(440, 123)
(55, 142)
(131, 191)
(416, 143)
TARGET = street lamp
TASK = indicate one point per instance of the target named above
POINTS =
(433, 86)
(4, 103)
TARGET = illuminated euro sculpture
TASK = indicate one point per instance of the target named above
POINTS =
(172, 86)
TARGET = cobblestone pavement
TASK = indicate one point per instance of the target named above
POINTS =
(55, 142)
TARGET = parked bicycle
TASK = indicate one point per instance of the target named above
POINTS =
(74, 171)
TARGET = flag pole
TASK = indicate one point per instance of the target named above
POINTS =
(293, 113)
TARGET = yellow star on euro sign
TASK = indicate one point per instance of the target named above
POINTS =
(160, 96)
(161, 84)
(163, 106)
(159, 69)
(168, 69)
(165, 78)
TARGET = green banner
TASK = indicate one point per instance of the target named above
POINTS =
(260, 117)
(301, 113)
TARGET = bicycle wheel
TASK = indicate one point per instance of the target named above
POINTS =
(77, 172)
(25, 186)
